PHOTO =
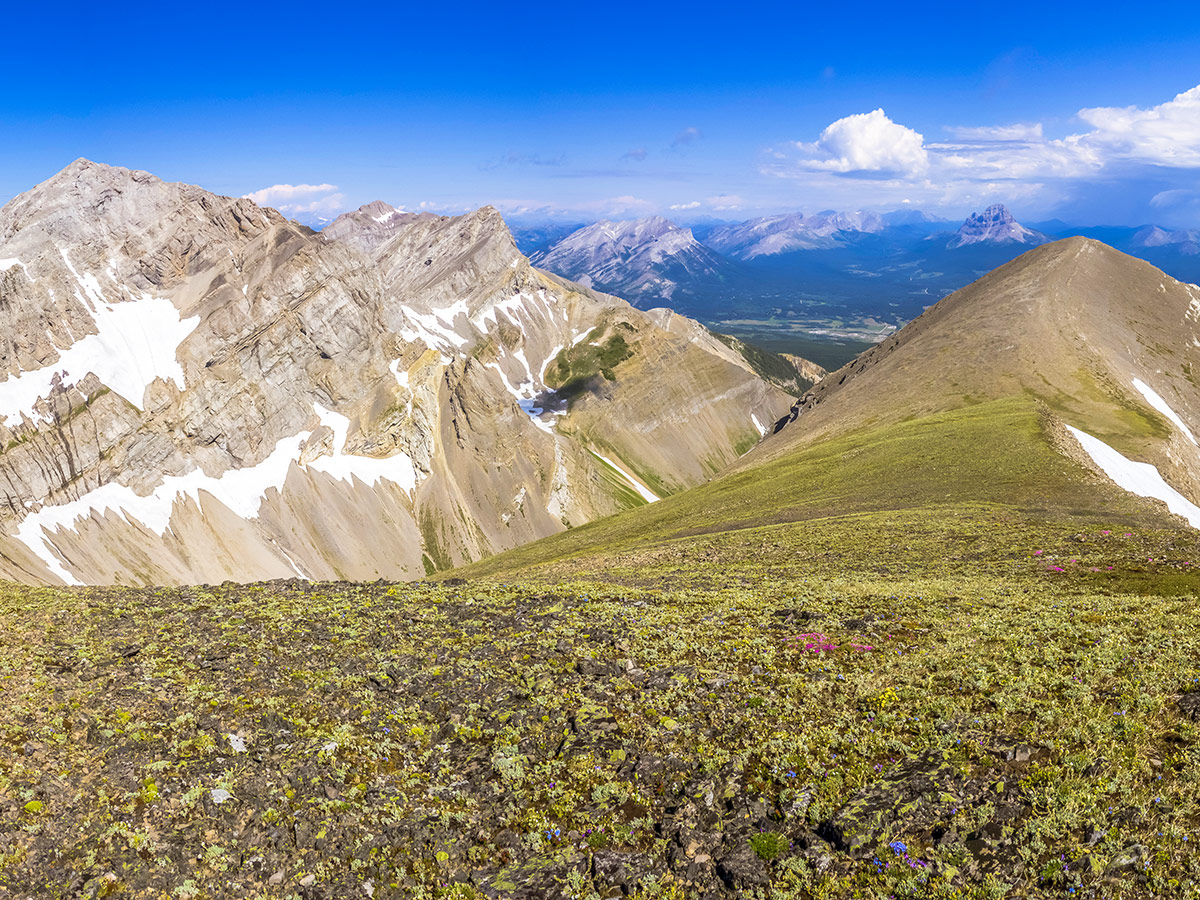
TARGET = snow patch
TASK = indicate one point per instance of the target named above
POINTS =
(1138, 478)
(762, 432)
(429, 329)
(549, 359)
(136, 342)
(1161, 405)
(509, 308)
(449, 313)
(526, 397)
(401, 374)
(241, 490)
(398, 469)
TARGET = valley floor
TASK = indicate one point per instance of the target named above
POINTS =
(949, 702)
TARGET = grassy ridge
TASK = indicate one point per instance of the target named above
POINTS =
(995, 453)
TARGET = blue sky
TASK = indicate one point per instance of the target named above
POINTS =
(591, 110)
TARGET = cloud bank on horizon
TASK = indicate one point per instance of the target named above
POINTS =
(871, 159)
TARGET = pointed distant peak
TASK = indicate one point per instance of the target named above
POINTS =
(997, 212)
(488, 215)
(995, 225)
(377, 208)
(487, 219)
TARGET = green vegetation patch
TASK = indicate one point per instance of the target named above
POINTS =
(978, 728)
(770, 366)
(576, 369)
(994, 454)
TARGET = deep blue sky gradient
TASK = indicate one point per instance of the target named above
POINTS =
(457, 105)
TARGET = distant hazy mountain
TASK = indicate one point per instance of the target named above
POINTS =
(995, 225)
(771, 235)
(646, 261)
(538, 237)
(1186, 242)
(916, 217)
(791, 281)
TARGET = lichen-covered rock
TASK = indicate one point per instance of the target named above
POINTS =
(917, 786)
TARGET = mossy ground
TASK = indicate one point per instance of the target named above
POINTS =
(985, 693)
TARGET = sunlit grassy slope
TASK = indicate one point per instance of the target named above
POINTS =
(988, 462)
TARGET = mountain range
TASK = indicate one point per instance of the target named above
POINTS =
(829, 284)
(648, 261)
(197, 389)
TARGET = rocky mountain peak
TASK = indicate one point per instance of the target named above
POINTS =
(995, 225)
(194, 388)
(770, 235)
(645, 259)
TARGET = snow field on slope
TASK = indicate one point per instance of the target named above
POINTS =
(241, 490)
(1138, 478)
(647, 495)
(136, 342)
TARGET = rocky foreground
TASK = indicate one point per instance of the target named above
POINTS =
(872, 736)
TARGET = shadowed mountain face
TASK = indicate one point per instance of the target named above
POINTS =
(197, 389)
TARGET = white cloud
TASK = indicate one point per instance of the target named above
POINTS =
(280, 192)
(624, 205)
(725, 202)
(1175, 197)
(866, 142)
(687, 136)
(998, 132)
(296, 199)
(869, 158)
(1163, 135)
(693, 205)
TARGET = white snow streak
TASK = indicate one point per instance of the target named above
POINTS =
(398, 469)
(1161, 405)
(1138, 478)
(242, 490)
(646, 493)
(762, 432)
(401, 374)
